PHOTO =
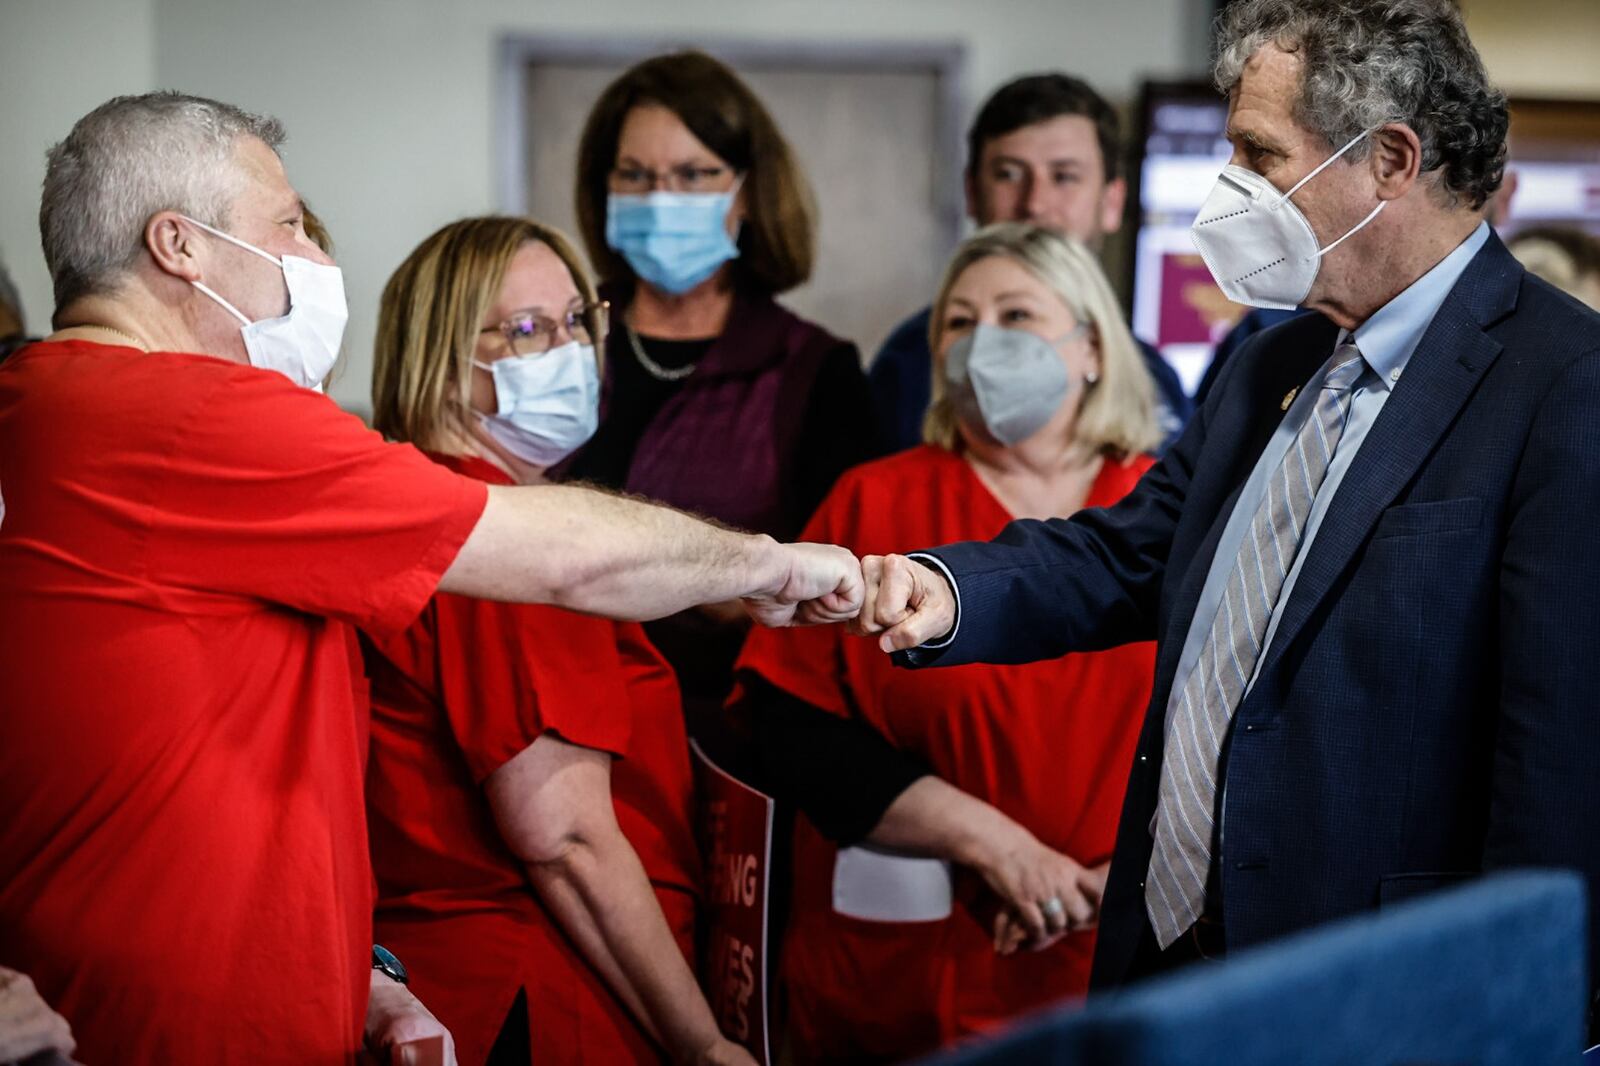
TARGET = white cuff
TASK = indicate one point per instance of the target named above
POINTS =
(933, 561)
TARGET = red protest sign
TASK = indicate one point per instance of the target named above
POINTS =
(736, 830)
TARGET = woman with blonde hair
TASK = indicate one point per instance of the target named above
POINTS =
(920, 872)
(529, 791)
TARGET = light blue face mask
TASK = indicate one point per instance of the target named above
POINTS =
(547, 404)
(673, 240)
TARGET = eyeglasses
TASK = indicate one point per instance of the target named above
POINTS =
(530, 333)
(683, 178)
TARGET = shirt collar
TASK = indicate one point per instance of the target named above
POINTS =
(1388, 338)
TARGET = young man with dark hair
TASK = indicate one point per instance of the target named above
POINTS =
(1046, 149)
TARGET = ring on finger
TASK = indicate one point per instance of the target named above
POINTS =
(1053, 907)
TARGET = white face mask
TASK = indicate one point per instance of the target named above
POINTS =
(548, 404)
(1257, 244)
(302, 345)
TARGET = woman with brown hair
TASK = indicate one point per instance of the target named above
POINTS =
(528, 784)
(717, 399)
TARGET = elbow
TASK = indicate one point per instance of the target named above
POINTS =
(561, 852)
(565, 588)
(575, 856)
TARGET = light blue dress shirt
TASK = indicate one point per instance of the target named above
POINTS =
(1386, 341)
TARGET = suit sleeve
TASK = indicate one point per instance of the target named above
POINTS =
(1085, 583)
(1545, 793)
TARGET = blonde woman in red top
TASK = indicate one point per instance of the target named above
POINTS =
(909, 938)
(529, 789)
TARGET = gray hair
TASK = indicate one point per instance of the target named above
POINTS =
(1369, 62)
(126, 160)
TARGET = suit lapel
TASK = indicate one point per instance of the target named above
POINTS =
(1449, 362)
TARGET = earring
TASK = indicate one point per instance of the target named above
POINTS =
(1091, 377)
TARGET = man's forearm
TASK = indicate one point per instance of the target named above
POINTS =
(609, 555)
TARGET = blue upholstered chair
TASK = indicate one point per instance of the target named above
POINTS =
(1489, 974)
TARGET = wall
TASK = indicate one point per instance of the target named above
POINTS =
(1542, 48)
(872, 144)
(58, 60)
(391, 106)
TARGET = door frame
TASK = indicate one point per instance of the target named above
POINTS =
(946, 60)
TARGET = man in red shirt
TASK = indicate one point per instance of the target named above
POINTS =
(189, 531)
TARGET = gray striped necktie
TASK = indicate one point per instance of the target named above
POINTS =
(1198, 716)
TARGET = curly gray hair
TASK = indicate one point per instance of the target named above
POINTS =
(124, 161)
(1368, 62)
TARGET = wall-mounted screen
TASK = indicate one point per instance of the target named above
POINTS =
(1553, 179)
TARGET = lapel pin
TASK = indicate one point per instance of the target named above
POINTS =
(1288, 398)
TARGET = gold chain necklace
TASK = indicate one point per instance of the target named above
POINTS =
(137, 343)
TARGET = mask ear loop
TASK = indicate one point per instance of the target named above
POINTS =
(1319, 169)
(231, 239)
(733, 194)
(1325, 164)
(1356, 229)
(226, 306)
(1084, 328)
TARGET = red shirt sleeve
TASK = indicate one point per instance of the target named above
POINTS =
(271, 492)
(808, 661)
(510, 672)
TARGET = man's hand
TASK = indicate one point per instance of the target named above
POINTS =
(817, 584)
(395, 1017)
(27, 1024)
(906, 602)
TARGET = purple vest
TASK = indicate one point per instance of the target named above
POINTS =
(724, 444)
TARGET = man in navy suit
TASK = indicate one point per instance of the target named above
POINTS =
(1372, 561)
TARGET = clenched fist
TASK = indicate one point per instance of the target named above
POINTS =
(906, 603)
(817, 583)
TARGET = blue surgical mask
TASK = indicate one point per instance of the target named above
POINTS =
(547, 404)
(673, 240)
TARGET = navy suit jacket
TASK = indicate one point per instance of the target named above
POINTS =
(1430, 705)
